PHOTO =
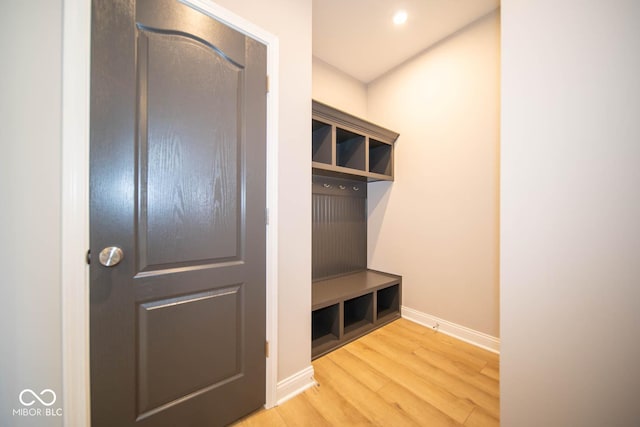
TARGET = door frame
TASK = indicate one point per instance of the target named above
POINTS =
(76, 66)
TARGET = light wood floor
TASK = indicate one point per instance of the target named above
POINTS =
(400, 375)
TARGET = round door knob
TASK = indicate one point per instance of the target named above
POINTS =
(111, 256)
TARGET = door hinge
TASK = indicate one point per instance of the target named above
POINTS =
(266, 349)
(267, 84)
(88, 257)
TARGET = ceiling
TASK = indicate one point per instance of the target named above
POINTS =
(359, 37)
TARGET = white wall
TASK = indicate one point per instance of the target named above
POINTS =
(30, 284)
(438, 224)
(333, 87)
(570, 264)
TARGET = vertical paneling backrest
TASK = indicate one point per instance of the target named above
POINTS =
(339, 226)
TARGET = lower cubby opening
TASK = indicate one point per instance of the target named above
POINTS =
(388, 302)
(358, 314)
(325, 327)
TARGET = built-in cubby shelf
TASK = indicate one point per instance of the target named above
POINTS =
(388, 302)
(358, 314)
(349, 306)
(322, 142)
(348, 300)
(325, 327)
(345, 144)
(350, 150)
(380, 157)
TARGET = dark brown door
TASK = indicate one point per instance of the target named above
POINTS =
(178, 118)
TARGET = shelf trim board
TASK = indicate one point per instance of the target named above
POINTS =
(341, 118)
(350, 286)
(328, 341)
(388, 317)
(371, 176)
(324, 348)
(358, 328)
(324, 340)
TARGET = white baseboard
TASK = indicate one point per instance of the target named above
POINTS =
(294, 385)
(479, 339)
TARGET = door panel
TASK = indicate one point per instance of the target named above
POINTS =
(178, 125)
(189, 193)
(182, 349)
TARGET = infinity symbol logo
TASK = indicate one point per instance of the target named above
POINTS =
(36, 397)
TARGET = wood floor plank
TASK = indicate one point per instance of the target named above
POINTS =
(299, 412)
(410, 326)
(402, 374)
(455, 356)
(434, 342)
(431, 392)
(262, 418)
(370, 404)
(403, 344)
(362, 372)
(419, 410)
(491, 373)
(472, 377)
(480, 418)
(471, 349)
(493, 364)
(462, 389)
(333, 407)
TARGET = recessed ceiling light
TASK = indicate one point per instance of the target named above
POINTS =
(400, 17)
